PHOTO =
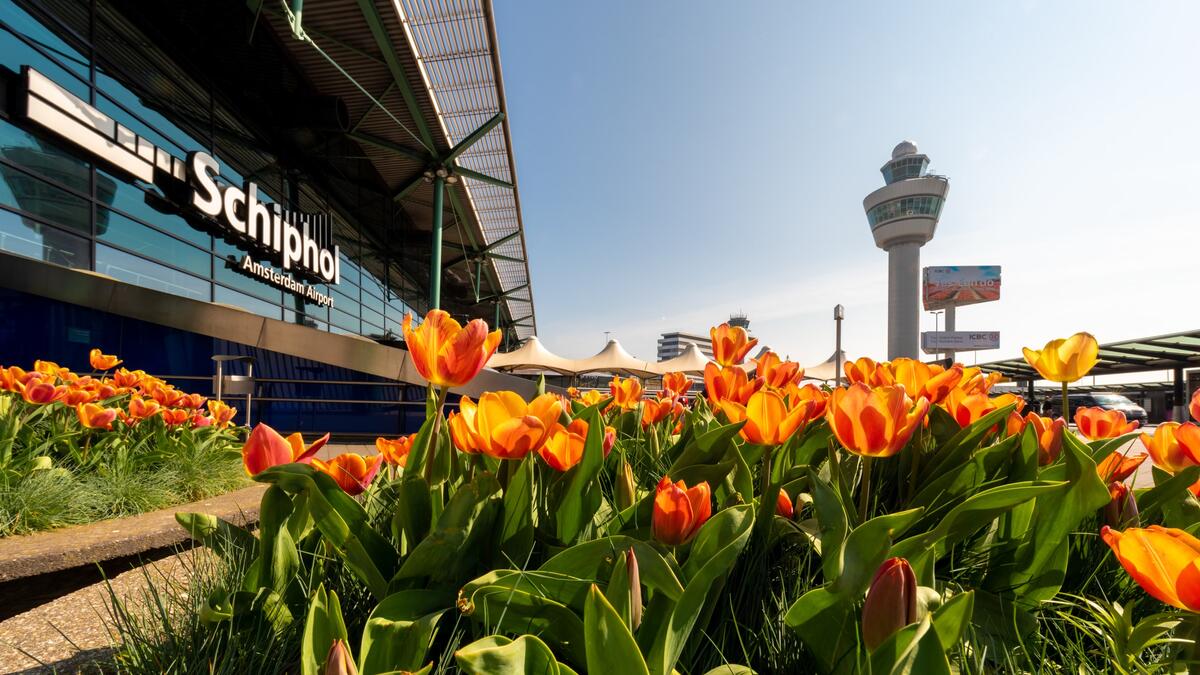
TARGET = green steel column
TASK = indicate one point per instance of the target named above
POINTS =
(497, 324)
(435, 256)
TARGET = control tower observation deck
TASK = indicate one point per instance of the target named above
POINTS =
(903, 215)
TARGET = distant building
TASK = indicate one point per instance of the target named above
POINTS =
(741, 320)
(671, 345)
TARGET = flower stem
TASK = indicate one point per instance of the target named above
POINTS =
(864, 490)
(1066, 405)
(435, 433)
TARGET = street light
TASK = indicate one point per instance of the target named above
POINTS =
(839, 313)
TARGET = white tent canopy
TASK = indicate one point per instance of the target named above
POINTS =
(614, 359)
(532, 357)
(692, 362)
(826, 370)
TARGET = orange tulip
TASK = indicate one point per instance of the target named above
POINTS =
(447, 353)
(176, 416)
(974, 381)
(654, 411)
(12, 378)
(265, 448)
(190, 401)
(768, 420)
(395, 450)
(1004, 400)
(1118, 467)
(809, 392)
(967, 408)
(626, 392)
(729, 384)
(1064, 360)
(1121, 509)
(94, 416)
(503, 425)
(103, 361)
(922, 379)
(352, 472)
(564, 448)
(730, 344)
(221, 413)
(41, 392)
(77, 396)
(199, 420)
(675, 385)
(52, 370)
(777, 373)
(874, 422)
(592, 397)
(1164, 561)
(1098, 423)
(867, 371)
(1194, 407)
(1015, 424)
(1049, 436)
(128, 379)
(164, 393)
(1166, 450)
(679, 511)
(783, 505)
(140, 408)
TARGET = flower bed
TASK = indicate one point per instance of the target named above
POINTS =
(76, 448)
(910, 521)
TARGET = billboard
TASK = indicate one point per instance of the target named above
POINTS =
(960, 285)
(959, 341)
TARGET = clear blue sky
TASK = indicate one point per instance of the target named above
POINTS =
(679, 161)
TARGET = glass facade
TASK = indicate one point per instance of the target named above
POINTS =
(59, 206)
(921, 205)
(904, 168)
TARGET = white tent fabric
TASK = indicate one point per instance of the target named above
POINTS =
(614, 359)
(826, 370)
(531, 357)
(692, 362)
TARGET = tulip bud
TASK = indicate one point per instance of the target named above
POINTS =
(339, 661)
(626, 488)
(1121, 510)
(635, 590)
(783, 505)
(891, 602)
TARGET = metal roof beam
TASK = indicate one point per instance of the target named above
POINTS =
(384, 144)
(482, 177)
(388, 50)
(411, 185)
(1163, 356)
(474, 137)
(485, 251)
(505, 294)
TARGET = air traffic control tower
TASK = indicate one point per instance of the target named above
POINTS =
(903, 215)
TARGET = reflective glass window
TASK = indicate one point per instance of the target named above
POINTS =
(42, 242)
(14, 53)
(135, 200)
(259, 307)
(141, 272)
(345, 302)
(23, 191)
(134, 236)
(44, 157)
(371, 316)
(227, 268)
(343, 320)
(349, 271)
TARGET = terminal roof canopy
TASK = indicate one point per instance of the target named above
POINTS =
(1164, 352)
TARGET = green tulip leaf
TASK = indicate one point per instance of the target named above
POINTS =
(826, 623)
(322, 626)
(610, 646)
(227, 540)
(952, 618)
(589, 560)
(516, 528)
(833, 523)
(912, 649)
(413, 514)
(708, 447)
(400, 629)
(508, 609)
(498, 655)
(442, 554)
(865, 550)
(581, 499)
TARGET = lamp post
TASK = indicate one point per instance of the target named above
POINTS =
(839, 313)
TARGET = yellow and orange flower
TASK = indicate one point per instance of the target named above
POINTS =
(41, 392)
(1117, 466)
(1097, 423)
(221, 413)
(128, 379)
(1164, 561)
(1004, 400)
(52, 370)
(783, 505)
(592, 397)
(94, 416)
(679, 511)
(266, 448)
(395, 450)
(503, 425)
(974, 381)
(445, 352)
(12, 378)
(351, 471)
(777, 373)
(78, 396)
(656, 410)
(1165, 448)
(102, 361)
(173, 417)
(140, 409)
(1064, 360)
(1194, 406)
(730, 344)
(728, 384)
(1049, 433)
(768, 419)
(966, 408)
(190, 401)
(922, 379)
(809, 392)
(564, 448)
(675, 385)
(626, 392)
(874, 422)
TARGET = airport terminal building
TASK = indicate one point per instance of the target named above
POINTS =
(257, 178)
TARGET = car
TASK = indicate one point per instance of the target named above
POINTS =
(1104, 400)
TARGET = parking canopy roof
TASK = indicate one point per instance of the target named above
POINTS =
(1164, 352)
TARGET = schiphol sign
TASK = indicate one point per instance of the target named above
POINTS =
(234, 213)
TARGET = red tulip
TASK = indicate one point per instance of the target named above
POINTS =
(891, 602)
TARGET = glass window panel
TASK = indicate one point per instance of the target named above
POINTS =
(229, 273)
(290, 316)
(131, 198)
(28, 193)
(259, 307)
(373, 302)
(375, 318)
(130, 268)
(343, 320)
(44, 158)
(349, 271)
(14, 53)
(345, 302)
(127, 233)
(42, 242)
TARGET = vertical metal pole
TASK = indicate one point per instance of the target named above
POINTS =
(435, 255)
(838, 313)
(1179, 409)
(949, 329)
(497, 322)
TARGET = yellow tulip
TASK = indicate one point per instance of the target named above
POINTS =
(1064, 360)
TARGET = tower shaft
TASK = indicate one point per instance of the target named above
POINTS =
(904, 279)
